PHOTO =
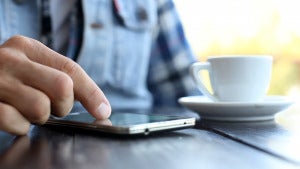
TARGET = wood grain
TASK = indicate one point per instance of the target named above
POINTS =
(189, 148)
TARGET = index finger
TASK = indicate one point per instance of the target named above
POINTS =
(85, 89)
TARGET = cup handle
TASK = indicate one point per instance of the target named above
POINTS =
(195, 69)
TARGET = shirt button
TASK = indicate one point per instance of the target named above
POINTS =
(96, 25)
(141, 14)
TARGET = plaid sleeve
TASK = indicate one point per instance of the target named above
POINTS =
(171, 57)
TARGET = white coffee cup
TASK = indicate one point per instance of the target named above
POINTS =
(242, 78)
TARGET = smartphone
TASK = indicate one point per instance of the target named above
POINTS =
(123, 123)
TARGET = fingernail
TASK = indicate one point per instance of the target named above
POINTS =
(103, 111)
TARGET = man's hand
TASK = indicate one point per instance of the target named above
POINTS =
(36, 81)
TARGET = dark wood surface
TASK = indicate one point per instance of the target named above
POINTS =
(209, 145)
(267, 136)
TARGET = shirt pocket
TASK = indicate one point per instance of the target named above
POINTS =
(138, 15)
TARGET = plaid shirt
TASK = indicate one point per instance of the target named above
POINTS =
(171, 56)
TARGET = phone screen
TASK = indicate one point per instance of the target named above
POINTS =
(120, 119)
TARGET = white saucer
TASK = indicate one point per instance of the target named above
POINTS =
(236, 111)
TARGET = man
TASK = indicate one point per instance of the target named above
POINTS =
(135, 51)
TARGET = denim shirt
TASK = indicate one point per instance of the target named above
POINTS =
(115, 56)
(139, 63)
(19, 19)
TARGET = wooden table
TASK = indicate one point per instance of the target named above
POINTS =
(210, 144)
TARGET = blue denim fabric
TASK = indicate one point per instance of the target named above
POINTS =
(118, 63)
(138, 61)
(115, 56)
(22, 19)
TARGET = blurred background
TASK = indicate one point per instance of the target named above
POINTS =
(218, 27)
